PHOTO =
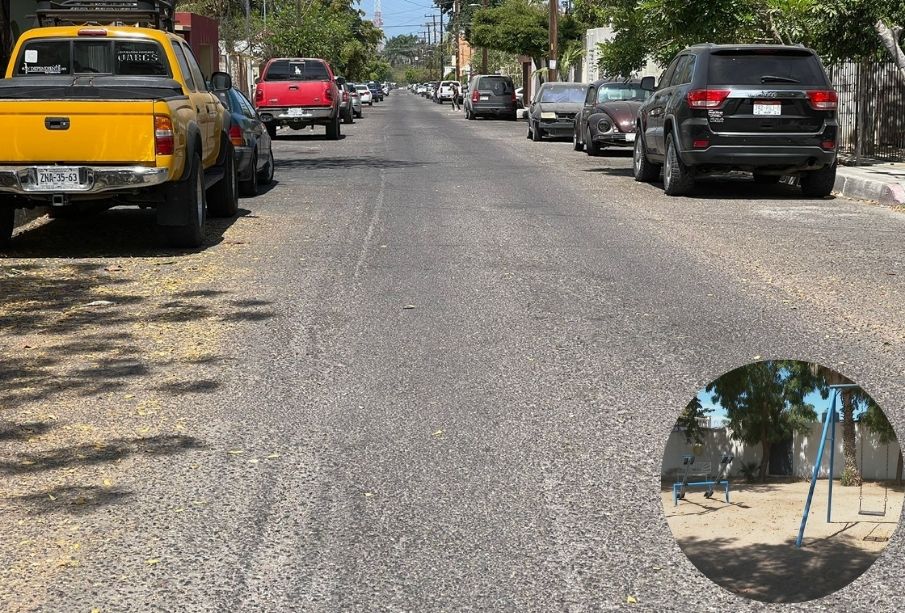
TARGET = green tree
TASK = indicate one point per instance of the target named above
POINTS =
(402, 49)
(689, 423)
(765, 403)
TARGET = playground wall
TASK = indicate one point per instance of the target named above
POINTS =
(804, 453)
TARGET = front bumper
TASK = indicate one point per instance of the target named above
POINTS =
(618, 139)
(23, 180)
(562, 127)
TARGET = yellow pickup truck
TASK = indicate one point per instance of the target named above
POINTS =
(98, 115)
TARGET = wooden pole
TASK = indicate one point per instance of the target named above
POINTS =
(554, 35)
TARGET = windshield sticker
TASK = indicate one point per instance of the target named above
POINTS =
(31, 56)
(141, 57)
(54, 69)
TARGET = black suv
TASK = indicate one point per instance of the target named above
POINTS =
(765, 109)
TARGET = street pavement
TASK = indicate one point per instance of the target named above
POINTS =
(442, 362)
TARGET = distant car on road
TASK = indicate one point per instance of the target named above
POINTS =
(491, 95)
(445, 91)
(376, 92)
(766, 109)
(356, 101)
(607, 117)
(251, 142)
(553, 109)
(298, 92)
(345, 100)
(367, 97)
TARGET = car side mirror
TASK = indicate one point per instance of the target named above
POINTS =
(221, 81)
(648, 84)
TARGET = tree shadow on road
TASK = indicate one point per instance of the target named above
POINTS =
(320, 163)
(74, 499)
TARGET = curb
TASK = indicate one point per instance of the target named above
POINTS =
(860, 188)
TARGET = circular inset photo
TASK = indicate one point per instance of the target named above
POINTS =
(782, 481)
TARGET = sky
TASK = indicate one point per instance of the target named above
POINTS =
(719, 413)
(402, 16)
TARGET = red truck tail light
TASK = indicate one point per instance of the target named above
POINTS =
(823, 99)
(236, 136)
(475, 96)
(328, 93)
(259, 95)
(706, 98)
(163, 135)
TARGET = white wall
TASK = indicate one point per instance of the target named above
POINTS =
(590, 72)
(804, 453)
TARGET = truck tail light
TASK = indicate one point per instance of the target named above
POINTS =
(259, 95)
(163, 135)
(235, 135)
(823, 99)
(707, 98)
(328, 93)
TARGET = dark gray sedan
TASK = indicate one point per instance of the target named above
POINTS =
(553, 109)
(254, 155)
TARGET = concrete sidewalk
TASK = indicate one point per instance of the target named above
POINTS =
(883, 182)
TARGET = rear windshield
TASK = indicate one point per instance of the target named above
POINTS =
(65, 57)
(563, 94)
(291, 70)
(765, 67)
(499, 85)
(621, 91)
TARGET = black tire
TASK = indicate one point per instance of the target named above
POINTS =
(249, 188)
(469, 115)
(333, 132)
(371, 103)
(766, 179)
(577, 145)
(590, 147)
(357, 114)
(191, 193)
(644, 170)
(223, 197)
(677, 178)
(347, 117)
(265, 177)
(512, 117)
(536, 134)
(7, 221)
(271, 129)
(818, 183)
(528, 133)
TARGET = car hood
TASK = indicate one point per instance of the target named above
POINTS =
(558, 107)
(623, 112)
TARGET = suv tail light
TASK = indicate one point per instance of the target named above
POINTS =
(163, 135)
(514, 98)
(707, 98)
(823, 99)
(236, 136)
(475, 96)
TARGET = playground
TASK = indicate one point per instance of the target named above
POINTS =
(747, 546)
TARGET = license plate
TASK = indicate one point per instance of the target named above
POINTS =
(297, 112)
(57, 178)
(630, 137)
(767, 108)
(485, 97)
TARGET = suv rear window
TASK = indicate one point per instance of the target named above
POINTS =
(499, 85)
(761, 67)
(291, 70)
(65, 57)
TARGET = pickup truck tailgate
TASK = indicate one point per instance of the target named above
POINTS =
(294, 93)
(69, 131)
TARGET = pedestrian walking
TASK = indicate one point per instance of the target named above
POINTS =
(456, 102)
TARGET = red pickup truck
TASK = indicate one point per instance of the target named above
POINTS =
(298, 92)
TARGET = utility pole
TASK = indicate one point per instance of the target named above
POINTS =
(442, 48)
(456, 29)
(484, 49)
(554, 35)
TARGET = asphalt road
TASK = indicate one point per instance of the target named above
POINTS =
(473, 352)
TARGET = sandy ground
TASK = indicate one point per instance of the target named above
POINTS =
(748, 545)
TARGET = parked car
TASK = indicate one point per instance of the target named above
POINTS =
(491, 95)
(298, 92)
(345, 100)
(765, 109)
(252, 143)
(553, 109)
(365, 94)
(356, 101)
(376, 92)
(607, 117)
(445, 91)
(142, 128)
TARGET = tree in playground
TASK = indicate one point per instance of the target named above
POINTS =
(765, 403)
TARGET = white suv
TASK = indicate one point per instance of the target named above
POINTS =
(445, 92)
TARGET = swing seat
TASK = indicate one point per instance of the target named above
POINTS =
(873, 513)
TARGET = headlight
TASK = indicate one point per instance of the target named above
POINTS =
(605, 125)
(548, 115)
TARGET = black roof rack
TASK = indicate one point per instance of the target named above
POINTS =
(158, 14)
